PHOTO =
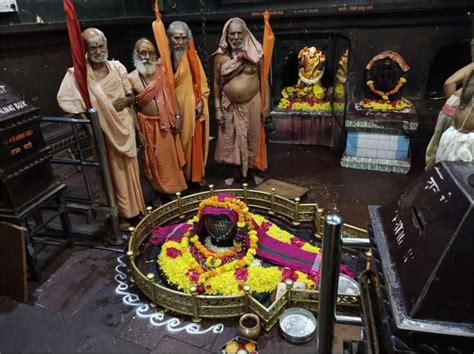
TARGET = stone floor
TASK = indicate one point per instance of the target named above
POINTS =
(75, 306)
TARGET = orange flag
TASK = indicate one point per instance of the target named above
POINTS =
(268, 43)
(162, 42)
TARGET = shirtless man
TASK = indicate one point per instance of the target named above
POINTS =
(163, 155)
(237, 65)
(452, 91)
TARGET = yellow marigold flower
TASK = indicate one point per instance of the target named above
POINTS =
(402, 79)
(195, 219)
(241, 224)
(370, 82)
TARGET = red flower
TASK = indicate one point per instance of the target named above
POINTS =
(288, 273)
(200, 288)
(241, 274)
(240, 286)
(296, 241)
(314, 276)
(193, 275)
(266, 226)
(173, 252)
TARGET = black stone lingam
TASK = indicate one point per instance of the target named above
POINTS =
(220, 229)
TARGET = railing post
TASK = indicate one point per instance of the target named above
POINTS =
(117, 238)
(272, 201)
(329, 276)
(194, 292)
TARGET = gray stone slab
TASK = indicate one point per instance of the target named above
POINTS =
(141, 332)
(77, 281)
(105, 311)
(30, 328)
(173, 345)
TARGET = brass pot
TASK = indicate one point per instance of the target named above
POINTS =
(249, 326)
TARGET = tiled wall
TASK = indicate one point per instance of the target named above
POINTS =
(374, 145)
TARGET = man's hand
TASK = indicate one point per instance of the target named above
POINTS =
(220, 118)
(122, 102)
(179, 124)
(199, 109)
(141, 139)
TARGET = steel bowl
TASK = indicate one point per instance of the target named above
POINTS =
(347, 285)
(297, 325)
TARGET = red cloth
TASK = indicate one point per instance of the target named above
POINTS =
(78, 52)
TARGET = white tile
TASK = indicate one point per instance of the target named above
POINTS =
(391, 155)
(373, 144)
(371, 153)
(363, 143)
(382, 154)
(362, 152)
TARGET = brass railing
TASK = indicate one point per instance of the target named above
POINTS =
(207, 306)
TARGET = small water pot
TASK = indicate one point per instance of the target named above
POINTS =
(249, 326)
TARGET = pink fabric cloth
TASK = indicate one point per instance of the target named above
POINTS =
(237, 144)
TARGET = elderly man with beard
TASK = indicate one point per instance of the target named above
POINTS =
(237, 66)
(163, 155)
(111, 95)
(192, 94)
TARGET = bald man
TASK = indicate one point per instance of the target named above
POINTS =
(111, 94)
(163, 152)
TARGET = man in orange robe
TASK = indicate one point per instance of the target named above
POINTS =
(163, 153)
(111, 94)
(192, 93)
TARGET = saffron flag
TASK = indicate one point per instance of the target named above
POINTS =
(78, 52)
(163, 47)
(268, 43)
(195, 69)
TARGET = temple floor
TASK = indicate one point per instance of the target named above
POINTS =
(75, 308)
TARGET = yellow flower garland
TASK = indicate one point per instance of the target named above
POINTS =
(221, 279)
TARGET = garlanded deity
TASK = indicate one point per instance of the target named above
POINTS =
(386, 75)
(307, 94)
(225, 246)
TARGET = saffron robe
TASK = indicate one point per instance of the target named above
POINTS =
(118, 130)
(163, 155)
(194, 167)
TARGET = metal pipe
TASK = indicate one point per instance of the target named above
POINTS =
(349, 320)
(65, 120)
(75, 162)
(85, 174)
(328, 282)
(355, 242)
(102, 156)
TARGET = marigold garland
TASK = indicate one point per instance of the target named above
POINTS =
(227, 277)
(385, 95)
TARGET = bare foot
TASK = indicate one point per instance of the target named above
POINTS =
(229, 181)
(257, 179)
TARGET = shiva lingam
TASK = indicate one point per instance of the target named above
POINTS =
(220, 262)
(386, 75)
(307, 94)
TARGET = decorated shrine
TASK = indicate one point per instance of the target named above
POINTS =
(229, 250)
(380, 125)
